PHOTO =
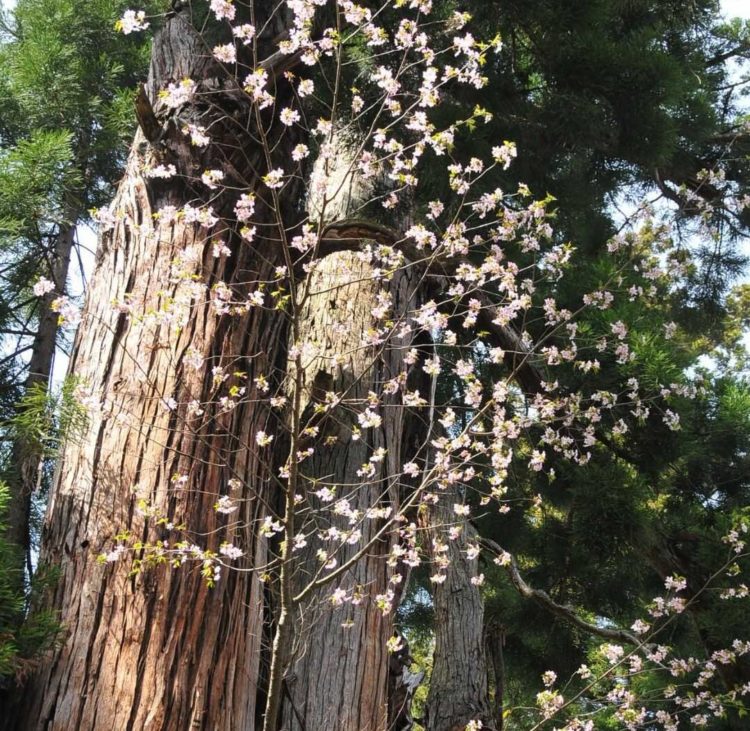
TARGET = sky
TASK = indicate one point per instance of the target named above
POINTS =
(736, 8)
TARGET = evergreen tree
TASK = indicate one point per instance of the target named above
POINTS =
(610, 101)
(67, 83)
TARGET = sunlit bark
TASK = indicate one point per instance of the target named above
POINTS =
(160, 650)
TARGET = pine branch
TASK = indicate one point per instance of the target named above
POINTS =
(742, 50)
(14, 355)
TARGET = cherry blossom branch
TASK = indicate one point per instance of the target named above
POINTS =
(567, 612)
(347, 234)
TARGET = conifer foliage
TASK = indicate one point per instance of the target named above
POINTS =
(66, 88)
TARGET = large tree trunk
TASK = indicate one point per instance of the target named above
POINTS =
(157, 649)
(160, 650)
(339, 672)
(458, 686)
(338, 678)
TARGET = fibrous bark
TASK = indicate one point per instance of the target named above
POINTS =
(340, 651)
(160, 650)
(338, 676)
(458, 685)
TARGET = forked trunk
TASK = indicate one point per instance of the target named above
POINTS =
(156, 648)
